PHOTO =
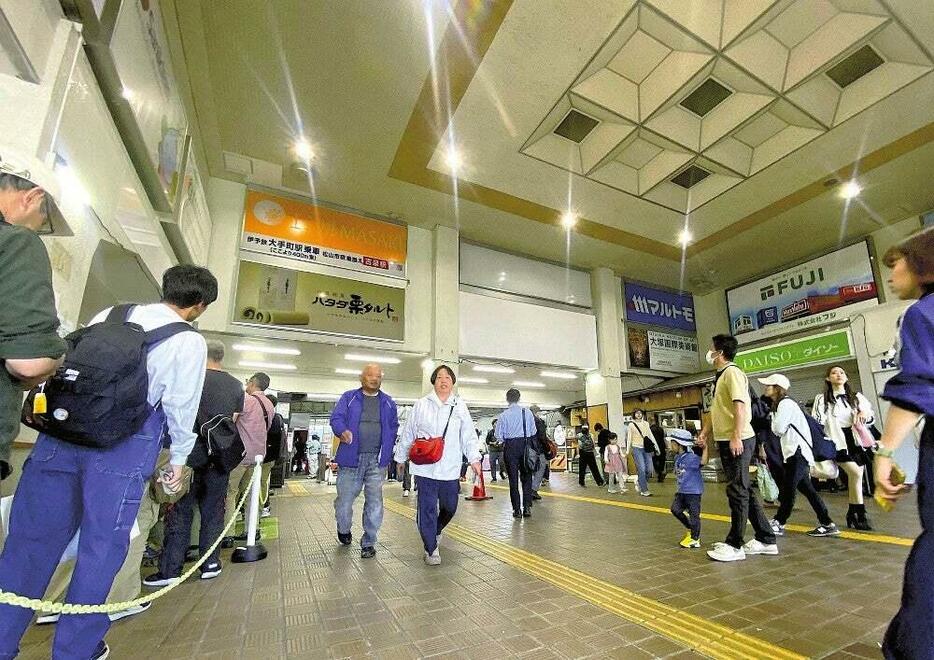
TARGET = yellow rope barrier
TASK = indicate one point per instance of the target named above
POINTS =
(52, 607)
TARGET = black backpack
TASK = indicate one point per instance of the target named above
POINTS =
(823, 447)
(98, 397)
(274, 437)
(222, 443)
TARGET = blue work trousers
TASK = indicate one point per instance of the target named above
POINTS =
(437, 504)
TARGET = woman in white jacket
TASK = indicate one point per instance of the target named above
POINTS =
(838, 408)
(440, 414)
(789, 424)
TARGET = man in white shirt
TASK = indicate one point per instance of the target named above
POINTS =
(65, 486)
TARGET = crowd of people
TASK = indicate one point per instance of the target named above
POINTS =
(139, 410)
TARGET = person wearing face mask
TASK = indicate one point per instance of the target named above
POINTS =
(730, 426)
(640, 442)
(838, 408)
(910, 394)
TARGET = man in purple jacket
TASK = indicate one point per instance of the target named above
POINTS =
(366, 422)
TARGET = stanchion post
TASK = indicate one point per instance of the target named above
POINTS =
(252, 551)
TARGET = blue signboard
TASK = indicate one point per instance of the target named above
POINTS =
(661, 308)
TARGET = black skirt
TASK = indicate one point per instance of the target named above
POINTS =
(854, 452)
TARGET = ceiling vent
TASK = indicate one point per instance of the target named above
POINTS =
(855, 66)
(708, 95)
(690, 177)
(576, 126)
(238, 164)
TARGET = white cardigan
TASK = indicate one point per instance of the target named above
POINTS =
(426, 420)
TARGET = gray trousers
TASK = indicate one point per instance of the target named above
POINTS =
(539, 474)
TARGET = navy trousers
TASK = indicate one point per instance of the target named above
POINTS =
(437, 504)
(520, 479)
(65, 487)
(209, 493)
(909, 635)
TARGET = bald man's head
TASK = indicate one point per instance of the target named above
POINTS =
(371, 378)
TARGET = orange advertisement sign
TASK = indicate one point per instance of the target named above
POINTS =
(313, 233)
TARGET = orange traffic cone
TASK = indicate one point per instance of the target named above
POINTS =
(479, 490)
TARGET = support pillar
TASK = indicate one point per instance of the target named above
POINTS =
(605, 385)
(445, 329)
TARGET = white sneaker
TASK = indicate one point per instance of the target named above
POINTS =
(612, 492)
(755, 547)
(434, 559)
(405, 493)
(130, 611)
(726, 552)
(266, 512)
(46, 619)
(777, 527)
(646, 494)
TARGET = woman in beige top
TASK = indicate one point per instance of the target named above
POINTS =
(638, 438)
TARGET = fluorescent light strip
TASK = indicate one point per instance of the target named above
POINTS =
(267, 365)
(271, 350)
(349, 372)
(379, 359)
(468, 379)
(493, 369)
(528, 383)
(559, 374)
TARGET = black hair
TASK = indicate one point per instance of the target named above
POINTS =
(186, 285)
(273, 400)
(726, 344)
(918, 252)
(638, 410)
(434, 374)
(598, 426)
(261, 380)
(830, 396)
(494, 421)
(512, 395)
(612, 436)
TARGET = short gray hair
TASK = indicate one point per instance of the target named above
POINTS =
(215, 350)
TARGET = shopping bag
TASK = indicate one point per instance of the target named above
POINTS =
(767, 485)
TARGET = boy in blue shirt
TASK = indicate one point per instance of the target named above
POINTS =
(690, 485)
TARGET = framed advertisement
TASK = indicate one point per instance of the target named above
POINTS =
(661, 351)
(808, 295)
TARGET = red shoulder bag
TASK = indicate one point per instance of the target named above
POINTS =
(425, 451)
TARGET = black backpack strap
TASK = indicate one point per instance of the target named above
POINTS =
(162, 333)
(265, 414)
(119, 313)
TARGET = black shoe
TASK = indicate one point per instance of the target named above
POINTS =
(228, 542)
(527, 512)
(503, 476)
(345, 539)
(210, 571)
(536, 496)
(242, 538)
(582, 485)
(367, 552)
(101, 652)
(516, 514)
(851, 517)
(863, 523)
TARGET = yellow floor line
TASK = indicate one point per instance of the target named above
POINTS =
(844, 534)
(702, 635)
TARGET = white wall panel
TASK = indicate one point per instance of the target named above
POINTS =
(500, 271)
(509, 330)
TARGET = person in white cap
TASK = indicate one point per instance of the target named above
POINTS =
(30, 348)
(790, 425)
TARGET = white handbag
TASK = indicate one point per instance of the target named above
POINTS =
(825, 470)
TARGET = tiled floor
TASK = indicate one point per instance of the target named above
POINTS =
(313, 599)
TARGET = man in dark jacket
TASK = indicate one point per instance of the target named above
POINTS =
(30, 348)
(366, 423)
(541, 437)
(660, 457)
(603, 439)
(495, 448)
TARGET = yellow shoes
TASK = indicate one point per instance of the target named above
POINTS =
(688, 542)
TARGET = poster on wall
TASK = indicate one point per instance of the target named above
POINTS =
(809, 295)
(286, 299)
(313, 233)
(657, 307)
(661, 351)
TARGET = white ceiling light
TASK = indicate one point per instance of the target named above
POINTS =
(493, 369)
(348, 372)
(559, 374)
(849, 190)
(453, 159)
(469, 379)
(568, 219)
(267, 365)
(127, 93)
(427, 364)
(378, 359)
(271, 350)
(685, 237)
(303, 149)
(528, 383)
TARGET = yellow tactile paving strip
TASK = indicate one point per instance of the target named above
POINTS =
(702, 635)
(844, 534)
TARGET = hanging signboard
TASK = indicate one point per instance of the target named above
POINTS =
(656, 307)
(815, 293)
(282, 298)
(811, 350)
(661, 351)
(313, 233)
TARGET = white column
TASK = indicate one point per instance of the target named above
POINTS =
(445, 318)
(605, 386)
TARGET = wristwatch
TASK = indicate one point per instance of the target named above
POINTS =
(883, 452)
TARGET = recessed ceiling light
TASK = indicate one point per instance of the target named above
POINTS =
(685, 237)
(559, 374)
(453, 159)
(493, 369)
(378, 359)
(127, 93)
(348, 372)
(568, 219)
(849, 190)
(303, 149)
(271, 350)
(267, 365)
(470, 379)
(528, 383)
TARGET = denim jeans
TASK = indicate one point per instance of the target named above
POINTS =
(368, 477)
(643, 461)
(497, 464)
